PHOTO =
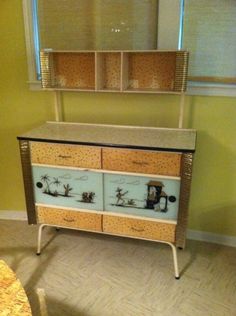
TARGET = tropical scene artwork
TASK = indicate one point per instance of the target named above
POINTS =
(137, 195)
(69, 188)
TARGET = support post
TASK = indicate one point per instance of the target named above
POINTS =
(181, 110)
(58, 106)
(39, 239)
(176, 268)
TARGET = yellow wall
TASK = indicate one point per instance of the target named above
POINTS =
(213, 198)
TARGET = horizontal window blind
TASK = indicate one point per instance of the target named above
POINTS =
(98, 24)
(210, 36)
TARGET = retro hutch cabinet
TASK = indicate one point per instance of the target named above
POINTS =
(117, 180)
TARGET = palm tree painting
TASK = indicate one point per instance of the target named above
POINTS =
(46, 185)
(45, 179)
(57, 183)
(67, 189)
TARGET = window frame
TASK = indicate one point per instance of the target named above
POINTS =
(33, 81)
(31, 31)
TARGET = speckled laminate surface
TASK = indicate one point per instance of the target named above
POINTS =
(114, 135)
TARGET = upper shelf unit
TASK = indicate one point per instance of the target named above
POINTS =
(115, 71)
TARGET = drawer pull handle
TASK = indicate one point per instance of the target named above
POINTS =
(69, 220)
(140, 230)
(140, 163)
(64, 157)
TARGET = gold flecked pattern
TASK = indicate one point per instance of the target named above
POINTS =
(111, 70)
(13, 300)
(68, 218)
(66, 155)
(144, 71)
(152, 71)
(141, 161)
(139, 228)
(74, 70)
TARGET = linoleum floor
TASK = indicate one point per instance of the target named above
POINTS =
(86, 274)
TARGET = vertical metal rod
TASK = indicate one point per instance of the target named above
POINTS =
(181, 110)
(39, 239)
(175, 262)
(58, 106)
(174, 252)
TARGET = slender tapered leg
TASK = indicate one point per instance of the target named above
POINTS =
(39, 238)
(174, 252)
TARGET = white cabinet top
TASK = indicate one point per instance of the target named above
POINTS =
(154, 138)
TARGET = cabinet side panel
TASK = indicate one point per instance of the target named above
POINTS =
(46, 69)
(186, 176)
(181, 71)
(27, 178)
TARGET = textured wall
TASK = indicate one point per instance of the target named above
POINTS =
(213, 198)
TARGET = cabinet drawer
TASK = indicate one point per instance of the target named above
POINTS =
(67, 218)
(139, 228)
(66, 155)
(141, 161)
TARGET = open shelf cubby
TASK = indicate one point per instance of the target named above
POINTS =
(70, 70)
(123, 71)
(150, 71)
(108, 71)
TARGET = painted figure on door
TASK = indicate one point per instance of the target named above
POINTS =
(155, 196)
(119, 196)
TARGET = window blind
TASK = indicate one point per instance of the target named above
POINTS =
(98, 24)
(210, 36)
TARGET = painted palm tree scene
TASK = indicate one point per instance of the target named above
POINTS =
(63, 187)
(48, 186)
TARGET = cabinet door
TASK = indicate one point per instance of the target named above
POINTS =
(68, 187)
(142, 196)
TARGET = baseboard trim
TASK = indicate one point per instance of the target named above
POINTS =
(211, 237)
(13, 215)
(191, 234)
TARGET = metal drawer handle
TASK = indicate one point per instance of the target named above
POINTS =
(138, 229)
(64, 157)
(140, 163)
(68, 220)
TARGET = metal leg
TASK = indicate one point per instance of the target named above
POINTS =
(39, 238)
(174, 252)
(173, 247)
